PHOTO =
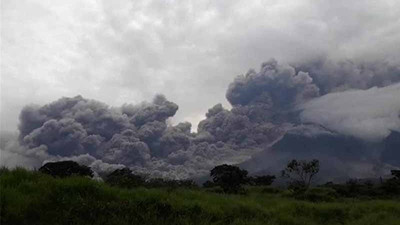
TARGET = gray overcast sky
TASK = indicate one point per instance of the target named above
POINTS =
(124, 51)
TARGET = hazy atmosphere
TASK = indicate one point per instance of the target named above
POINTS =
(174, 88)
(203, 112)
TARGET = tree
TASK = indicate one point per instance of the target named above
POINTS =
(65, 169)
(301, 172)
(229, 177)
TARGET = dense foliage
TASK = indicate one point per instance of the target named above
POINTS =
(229, 178)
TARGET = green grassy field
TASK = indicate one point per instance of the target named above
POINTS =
(32, 198)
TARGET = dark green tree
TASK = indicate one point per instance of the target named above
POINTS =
(229, 178)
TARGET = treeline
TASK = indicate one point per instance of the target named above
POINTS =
(231, 180)
(367, 188)
(124, 178)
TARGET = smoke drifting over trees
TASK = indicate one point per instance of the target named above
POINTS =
(267, 106)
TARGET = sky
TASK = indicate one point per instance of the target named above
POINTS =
(128, 51)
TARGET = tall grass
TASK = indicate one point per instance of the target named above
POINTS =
(29, 197)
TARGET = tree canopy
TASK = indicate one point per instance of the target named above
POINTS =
(229, 177)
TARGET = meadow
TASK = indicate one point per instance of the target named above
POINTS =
(30, 197)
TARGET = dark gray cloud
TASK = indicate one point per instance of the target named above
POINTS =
(72, 126)
(126, 51)
(336, 76)
(276, 85)
(268, 109)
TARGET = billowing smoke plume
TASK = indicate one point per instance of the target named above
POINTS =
(336, 76)
(277, 85)
(269, 111)
(354, 122)
(137, 136)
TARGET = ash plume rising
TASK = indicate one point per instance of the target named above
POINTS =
(278, 105)
(275, 84)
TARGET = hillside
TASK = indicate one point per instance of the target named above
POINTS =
(342, 157)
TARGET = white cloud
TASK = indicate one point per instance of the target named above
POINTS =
(369, 114)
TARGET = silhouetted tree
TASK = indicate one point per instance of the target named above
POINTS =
(229, 177)
(301, 173)
(65, 169)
